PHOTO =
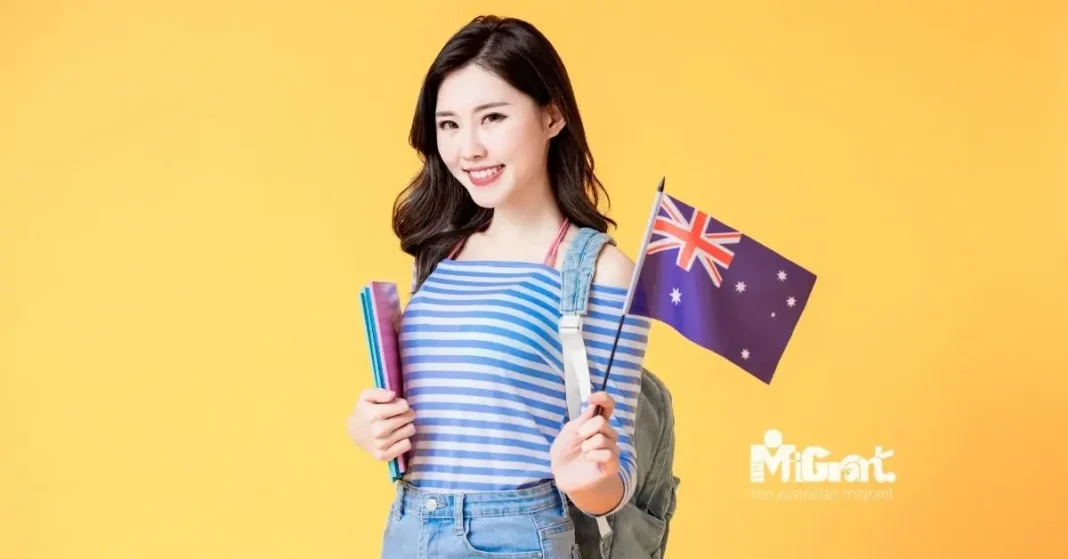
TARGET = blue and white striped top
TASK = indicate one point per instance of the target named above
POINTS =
(481, 354)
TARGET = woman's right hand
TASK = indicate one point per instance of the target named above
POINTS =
(382, 424)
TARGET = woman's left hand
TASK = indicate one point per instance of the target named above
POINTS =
(586, 451)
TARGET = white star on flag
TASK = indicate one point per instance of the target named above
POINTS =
(790, 301)
(781, 275)
(745, 354)
(676, 296)
(740, 287)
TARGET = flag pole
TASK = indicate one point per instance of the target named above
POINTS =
(634, 280)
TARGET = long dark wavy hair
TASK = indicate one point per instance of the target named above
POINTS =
(434, 212)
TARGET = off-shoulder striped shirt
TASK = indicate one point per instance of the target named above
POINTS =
(481, 354)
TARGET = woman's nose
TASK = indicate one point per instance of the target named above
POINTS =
(472, 146)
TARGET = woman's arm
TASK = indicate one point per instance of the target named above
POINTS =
(614, 269)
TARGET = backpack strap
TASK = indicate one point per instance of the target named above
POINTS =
(576, 278)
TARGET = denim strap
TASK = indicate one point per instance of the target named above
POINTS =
(576, 278)
(579, 264)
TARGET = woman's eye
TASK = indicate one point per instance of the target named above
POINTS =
(446, 125)
(493, 117)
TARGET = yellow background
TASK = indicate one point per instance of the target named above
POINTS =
(191, 196)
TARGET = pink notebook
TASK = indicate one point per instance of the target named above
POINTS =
(382, 314)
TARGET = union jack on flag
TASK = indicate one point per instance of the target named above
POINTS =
(692, 239)
(742, 303)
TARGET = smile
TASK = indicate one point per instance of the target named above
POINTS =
(483, 177)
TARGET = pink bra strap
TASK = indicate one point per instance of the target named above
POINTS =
(550, 258)
(456, 249)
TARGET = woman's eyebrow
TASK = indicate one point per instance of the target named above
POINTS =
(481, 107)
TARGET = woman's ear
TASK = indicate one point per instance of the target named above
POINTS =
(554, 120)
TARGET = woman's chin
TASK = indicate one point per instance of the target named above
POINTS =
(488, 197)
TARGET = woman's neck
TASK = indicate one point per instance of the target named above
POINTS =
(531, 217)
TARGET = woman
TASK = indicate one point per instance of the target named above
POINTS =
(506, 184)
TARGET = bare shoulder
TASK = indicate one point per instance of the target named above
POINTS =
(614, 268)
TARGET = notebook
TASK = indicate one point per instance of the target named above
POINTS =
(381, 318)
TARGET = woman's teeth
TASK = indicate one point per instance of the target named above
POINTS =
(486, 173)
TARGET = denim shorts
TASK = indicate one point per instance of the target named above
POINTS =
(530, 523)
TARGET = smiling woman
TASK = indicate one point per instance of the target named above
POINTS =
(499, 450)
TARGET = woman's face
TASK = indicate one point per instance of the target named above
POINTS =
(493, 137)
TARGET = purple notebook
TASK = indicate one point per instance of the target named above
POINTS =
(383, 304)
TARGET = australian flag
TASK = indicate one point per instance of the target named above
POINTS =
(719, 288)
